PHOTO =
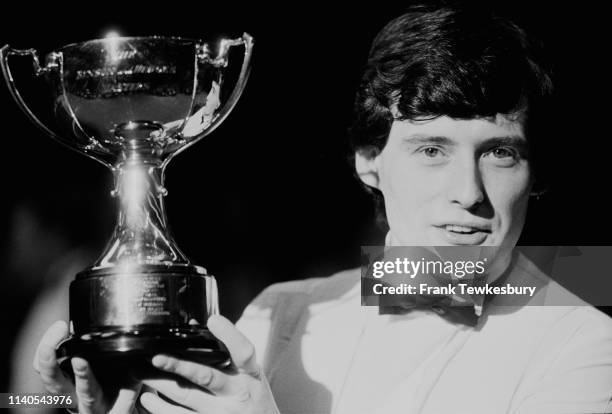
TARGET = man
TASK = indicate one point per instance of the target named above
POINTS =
(447, 132)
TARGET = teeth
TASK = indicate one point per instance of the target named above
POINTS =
(459, 229)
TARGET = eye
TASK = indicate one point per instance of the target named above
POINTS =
(431, 155)
(502, 156)
(504, 152)
(431, 152)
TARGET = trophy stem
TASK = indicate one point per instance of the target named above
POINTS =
(141, 235)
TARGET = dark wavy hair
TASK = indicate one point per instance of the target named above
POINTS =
(457, 59)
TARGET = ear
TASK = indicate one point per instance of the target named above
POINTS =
(366, 165)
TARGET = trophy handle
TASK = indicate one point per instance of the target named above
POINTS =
(5, 52)
(221, 61)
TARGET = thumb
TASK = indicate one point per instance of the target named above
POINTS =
(45, 361)
(240, 348)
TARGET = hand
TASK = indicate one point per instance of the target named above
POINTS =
(245, 390)
(89, 394)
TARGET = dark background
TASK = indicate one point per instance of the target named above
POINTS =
(269, 195)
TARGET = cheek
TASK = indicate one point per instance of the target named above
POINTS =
(405, 187)
(509, 194)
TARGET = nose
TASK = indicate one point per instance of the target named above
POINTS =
(466, 185)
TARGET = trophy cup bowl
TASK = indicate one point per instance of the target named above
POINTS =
(132, 104)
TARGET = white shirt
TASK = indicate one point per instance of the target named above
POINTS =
(325, 353)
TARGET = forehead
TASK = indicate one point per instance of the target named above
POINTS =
(461, 131)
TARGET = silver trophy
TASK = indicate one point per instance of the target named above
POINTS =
(132, 104)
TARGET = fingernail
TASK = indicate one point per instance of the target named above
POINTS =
(46, 354)
(147, 399)
(218, 321)
(160, 361)
(79, 366)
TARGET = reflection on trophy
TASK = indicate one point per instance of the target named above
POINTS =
(133, 104)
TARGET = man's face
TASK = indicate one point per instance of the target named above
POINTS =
(455, 182)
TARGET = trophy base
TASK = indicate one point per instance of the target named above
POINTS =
(121, 320)
(118, 357)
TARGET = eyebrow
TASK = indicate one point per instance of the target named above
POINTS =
(429, 139)
(517, 141)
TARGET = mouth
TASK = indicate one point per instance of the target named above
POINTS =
(464, 229)
(464, 234)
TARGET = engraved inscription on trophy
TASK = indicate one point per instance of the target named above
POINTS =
(123, 81)
(139, 296)
(137, 69)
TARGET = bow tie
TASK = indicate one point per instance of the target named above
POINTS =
(453, 306)
(457, 308)
(446, 297)
(447, 307)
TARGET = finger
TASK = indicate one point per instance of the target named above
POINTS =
(155, 405)
(126, 400)
(193, 398)
(45, 361)
(52, 337)
(88, 391)
(240, 348)
(212, 379)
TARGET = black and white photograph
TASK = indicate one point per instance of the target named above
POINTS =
(302, 208)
